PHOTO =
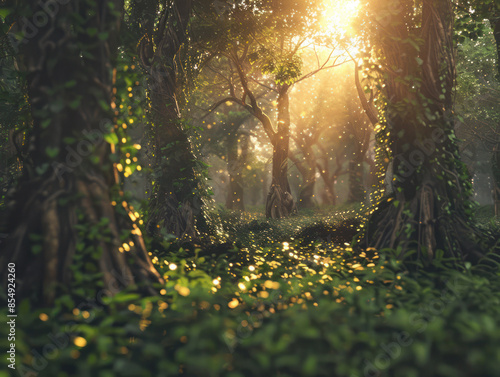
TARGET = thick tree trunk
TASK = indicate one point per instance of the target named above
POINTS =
(175, 204)
(235, 169)
(280, 202)
(62, 207)
(428, 210)
(176, 201)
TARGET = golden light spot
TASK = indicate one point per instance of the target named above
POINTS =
(233, 303)
(80, 342)
(163, 292)
(76, 311)
(263, 294)
(183, 291)
(172, 266)
(44, 317)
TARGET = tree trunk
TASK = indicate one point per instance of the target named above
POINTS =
(176, 201)
(62, 206)
(495, 165)
(280, 202)
(235, 167)
(495, 25)
(430, 207)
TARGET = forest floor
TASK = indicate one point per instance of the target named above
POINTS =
(277, 298)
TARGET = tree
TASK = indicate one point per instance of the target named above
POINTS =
(176, 199)
(430, 207)
(63, 224)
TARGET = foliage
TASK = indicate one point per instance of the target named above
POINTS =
(292, 310)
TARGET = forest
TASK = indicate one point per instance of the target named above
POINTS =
(240, 188)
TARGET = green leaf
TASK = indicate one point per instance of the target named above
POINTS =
(70, 84)
(4, 12)
(36, 249)
(74, 104)
(111, 138)
(52, 152)
(42, 168)
(91, 31)
(103, 36)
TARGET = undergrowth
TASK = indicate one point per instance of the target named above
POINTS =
(276, 298)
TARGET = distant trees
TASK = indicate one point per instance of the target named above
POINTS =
(257, 46)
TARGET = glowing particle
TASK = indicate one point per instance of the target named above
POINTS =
(80, 342)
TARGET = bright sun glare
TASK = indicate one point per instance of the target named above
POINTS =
(339, 14)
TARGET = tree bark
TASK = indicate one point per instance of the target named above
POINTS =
(495, 25)
(62, 206)
(280, 201)
(175, 202)
(429, 209)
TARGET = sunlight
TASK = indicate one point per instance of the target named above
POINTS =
(338, 16)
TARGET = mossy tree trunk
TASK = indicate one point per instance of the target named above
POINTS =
(62, 208)
(495, 25)
(175, 203)
(430, 207)
(280, 201)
